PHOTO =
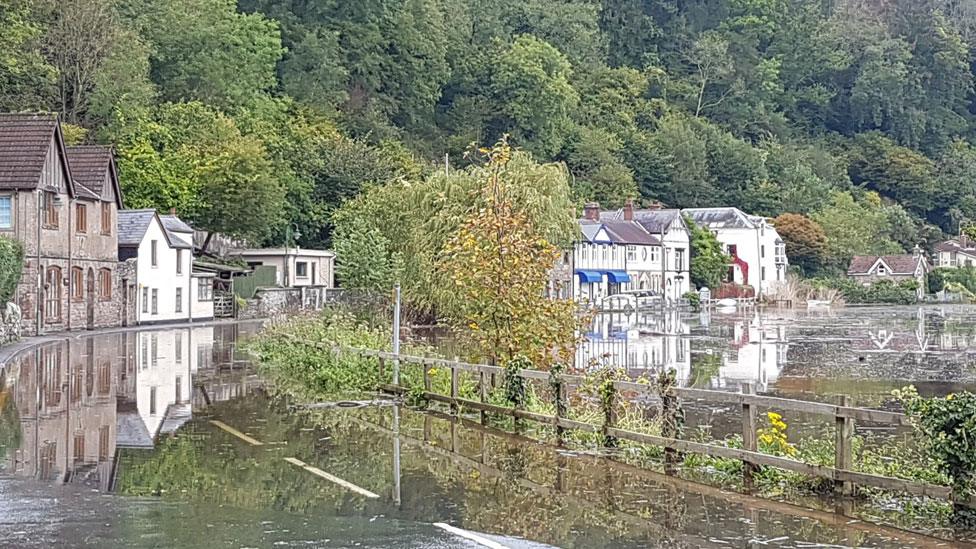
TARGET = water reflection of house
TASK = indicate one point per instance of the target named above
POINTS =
(758, 354)
(66, 398)
(78, 401)
(642, 343)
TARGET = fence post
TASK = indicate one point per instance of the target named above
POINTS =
(609, 398)
(748, 434)
(454, 386)
(483, 394)
(382, 370)
(669, 418)
(557, 388)
(425, 366)
(843, 447)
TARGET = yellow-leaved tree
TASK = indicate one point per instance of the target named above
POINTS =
(498, 265)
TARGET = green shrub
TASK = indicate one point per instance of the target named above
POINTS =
(694, 299)
(948, 428)
(11, 267)
(885, 291)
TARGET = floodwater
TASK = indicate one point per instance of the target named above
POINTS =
(864, 352)
(169, 438)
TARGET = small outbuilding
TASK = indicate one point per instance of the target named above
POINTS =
(295, 267)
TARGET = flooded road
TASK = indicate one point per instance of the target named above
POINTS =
(864, 352)
(169, 438)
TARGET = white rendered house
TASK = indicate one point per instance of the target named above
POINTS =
(165, 288)
(627, 249)
(758, 253)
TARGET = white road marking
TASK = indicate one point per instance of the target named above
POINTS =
(236, 433)
(319, 472)
(484, 542)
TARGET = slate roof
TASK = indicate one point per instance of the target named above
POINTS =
(629, 232)
(133, 225)
(89, 164)
(24, 143)
(957, 245)
(904, 264)
(720, 218)
(175, 224)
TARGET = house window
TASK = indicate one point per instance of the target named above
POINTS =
(81, 218)
(882, 271)
(49, 211)
(655, 254)
(154, 340)
(604, 252)
(762, 272)
(155, 301)
(179, 390)
(77, 284)
(204, 290)
(145, 300)
(762, 251)
(179, 262)
(733, 249)
(179, 348)
(152, 401)
(6, 212)
(301, 269)
(145, 353)
(104, 377)
(179, 300)
(52, 302)
(106, 218)
(631, 253)
(153, 254)
(679, 259)
(105, 284)
(79, 448)
(103, 443)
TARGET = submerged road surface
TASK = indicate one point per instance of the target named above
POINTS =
(167, 438)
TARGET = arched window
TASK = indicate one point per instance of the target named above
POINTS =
(52, 295)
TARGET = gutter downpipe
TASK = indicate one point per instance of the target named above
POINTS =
(38, 323)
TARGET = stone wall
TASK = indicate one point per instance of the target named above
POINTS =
(11, 324)
(277, 302)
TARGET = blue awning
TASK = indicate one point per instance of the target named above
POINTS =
(589, 277)
(618, 277)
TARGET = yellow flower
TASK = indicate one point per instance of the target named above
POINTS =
(951, 396)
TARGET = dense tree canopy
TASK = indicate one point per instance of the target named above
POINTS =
(859, 115)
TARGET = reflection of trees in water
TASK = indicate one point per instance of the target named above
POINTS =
(10, 432)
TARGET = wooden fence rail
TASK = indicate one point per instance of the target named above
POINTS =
(844, 418)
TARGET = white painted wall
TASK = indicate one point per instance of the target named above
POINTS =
(163, 278)
(201, 309)
(757, 247)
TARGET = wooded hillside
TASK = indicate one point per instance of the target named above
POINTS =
(259, 118)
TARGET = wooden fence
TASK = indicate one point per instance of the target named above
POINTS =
(844, 417)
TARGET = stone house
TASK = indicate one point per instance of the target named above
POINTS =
(62, 204)
(869, 269)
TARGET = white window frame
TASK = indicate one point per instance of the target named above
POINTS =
(9, 225)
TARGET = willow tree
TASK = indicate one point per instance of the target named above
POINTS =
(498, 266)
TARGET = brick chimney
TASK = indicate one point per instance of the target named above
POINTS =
(629, 210)
(591, 211)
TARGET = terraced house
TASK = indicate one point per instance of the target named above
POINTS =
(62, 203)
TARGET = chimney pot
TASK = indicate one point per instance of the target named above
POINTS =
(629, 210)
(591, 211)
